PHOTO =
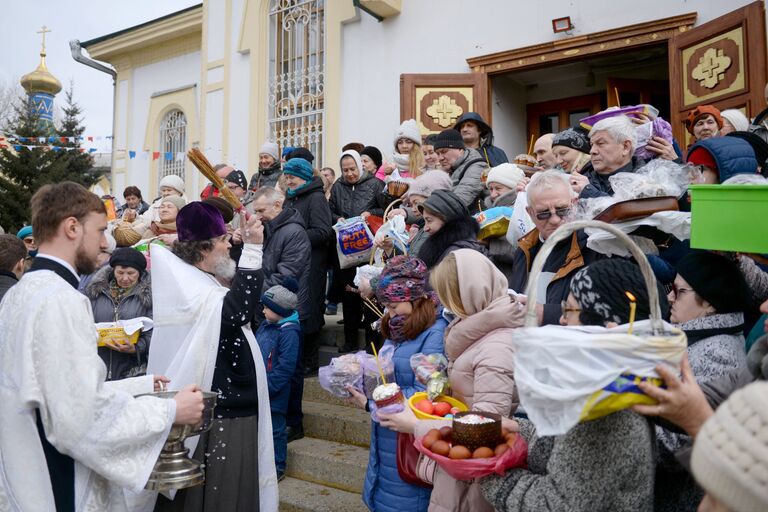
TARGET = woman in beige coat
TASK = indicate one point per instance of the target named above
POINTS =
(481, 365)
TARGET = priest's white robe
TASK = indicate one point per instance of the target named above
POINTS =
(48, 361)
(187, 315)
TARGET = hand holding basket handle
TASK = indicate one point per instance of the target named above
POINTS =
(567, 230)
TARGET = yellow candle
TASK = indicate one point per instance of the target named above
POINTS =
(376, 355)
(632, 308)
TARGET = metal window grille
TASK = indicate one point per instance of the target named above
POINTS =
(296, 74)
(173, 140)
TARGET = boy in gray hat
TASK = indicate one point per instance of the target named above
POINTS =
(279, 338)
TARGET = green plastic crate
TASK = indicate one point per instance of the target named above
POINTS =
(730, 218)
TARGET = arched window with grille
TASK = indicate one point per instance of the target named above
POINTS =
(296, 74)
(173, 140)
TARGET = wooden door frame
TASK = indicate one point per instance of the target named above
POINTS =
(478, 81)
(630, 37)
(753, 24)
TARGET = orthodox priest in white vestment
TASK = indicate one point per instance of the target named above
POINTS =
(68, 440)
(202, 336)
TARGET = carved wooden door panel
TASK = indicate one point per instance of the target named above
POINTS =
(722, 62)
(436, 101)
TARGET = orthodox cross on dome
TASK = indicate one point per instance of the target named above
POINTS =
(44, 30)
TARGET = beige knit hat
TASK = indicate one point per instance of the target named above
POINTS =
(730, 456)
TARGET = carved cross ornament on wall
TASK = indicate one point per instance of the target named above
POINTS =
(711, 68)
(444, 111)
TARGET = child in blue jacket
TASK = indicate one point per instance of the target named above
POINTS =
(279, 337)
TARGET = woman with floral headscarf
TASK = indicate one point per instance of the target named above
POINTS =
(411, 325)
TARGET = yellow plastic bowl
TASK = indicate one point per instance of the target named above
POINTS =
(418, 397)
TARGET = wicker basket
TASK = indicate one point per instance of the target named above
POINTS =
(125, 235)
(567, 230)
(397, 188)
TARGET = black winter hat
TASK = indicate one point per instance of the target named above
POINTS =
(572, 138)
(374, 154)
(238, 178)
(449, 139)
(759, 146)
(600, 289)
(716, 279)
(128, 257)
(475, 118)
(301, 153)
(445, 204)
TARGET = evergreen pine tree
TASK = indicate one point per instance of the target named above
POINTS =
(24, 169)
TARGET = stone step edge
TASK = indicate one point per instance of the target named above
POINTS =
(329, 499)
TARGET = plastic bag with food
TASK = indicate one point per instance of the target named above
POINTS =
(370, 369)
(657, 178)
(494, 222)
(431, 370)
(343, 371)
(516, 456)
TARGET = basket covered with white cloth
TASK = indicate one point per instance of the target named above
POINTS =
(568, 374)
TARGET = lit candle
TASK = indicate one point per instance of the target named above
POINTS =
(632, 308)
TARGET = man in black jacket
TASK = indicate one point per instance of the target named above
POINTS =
(305, 194)
(549, 204)
(477, 134)
(287, 252)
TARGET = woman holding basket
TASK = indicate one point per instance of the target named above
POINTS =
(606, 464)
(412, 325)
(480, 355)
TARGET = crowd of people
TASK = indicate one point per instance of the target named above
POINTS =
(204, 271)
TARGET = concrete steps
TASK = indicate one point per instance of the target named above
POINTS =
(326, 470)
(336, 465)
(302, 496)
(338, 423)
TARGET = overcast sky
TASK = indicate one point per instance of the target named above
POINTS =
(73, 19)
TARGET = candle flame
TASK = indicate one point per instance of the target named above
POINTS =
(630, 296)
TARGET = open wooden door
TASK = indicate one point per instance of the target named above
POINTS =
(436, 101)
(722, 62)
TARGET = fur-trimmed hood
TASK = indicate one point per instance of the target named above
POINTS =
(100, 284)
(455, 234)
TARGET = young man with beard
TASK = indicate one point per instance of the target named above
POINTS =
(59, 417)
(202, 335)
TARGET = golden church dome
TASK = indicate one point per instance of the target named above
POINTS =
(41, 80)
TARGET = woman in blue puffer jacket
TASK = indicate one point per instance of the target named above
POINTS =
(412, 326)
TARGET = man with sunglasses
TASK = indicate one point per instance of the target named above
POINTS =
(550, 200)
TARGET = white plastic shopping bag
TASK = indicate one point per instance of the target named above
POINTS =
(354, 242)
(569, 374)
(521, 222)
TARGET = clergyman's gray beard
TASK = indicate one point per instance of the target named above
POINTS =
(83, 264)
(225, 268)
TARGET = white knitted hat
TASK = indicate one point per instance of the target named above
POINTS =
(270, 148)
(737, 118)
(505, 174)
(174, 182)
(408, 130)
(730, 456)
